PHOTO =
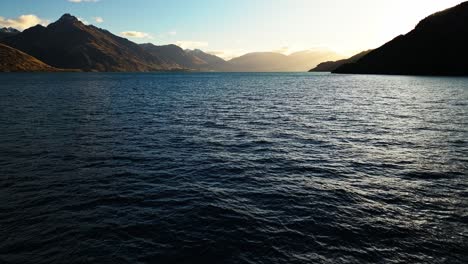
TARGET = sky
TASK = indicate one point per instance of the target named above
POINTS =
(230, 28)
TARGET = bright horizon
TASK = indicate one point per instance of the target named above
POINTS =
(233, 28)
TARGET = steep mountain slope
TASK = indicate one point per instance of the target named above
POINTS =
(13, 60)
(437, 46)
(70, 44)
(330, 66)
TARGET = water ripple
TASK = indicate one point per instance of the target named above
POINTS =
(233, 168)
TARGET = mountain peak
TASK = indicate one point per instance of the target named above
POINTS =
(68, 18)
(66, 21)
(8, 30)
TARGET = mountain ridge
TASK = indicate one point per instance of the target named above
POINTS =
(68, 43)
(436, 46)
(174, 54)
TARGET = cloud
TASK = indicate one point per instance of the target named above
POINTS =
(172, 33)
(98, 19)
(83, 1)
(188, 44)
(23, 22)
(135, 34)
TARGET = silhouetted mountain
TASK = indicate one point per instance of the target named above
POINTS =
(330, 66)
(277, 62)
(70, 44)
(437, 46)
(7, 32)
(172, 54)
(13, 60)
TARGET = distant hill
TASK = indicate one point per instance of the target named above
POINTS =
(70, 44)
(277, 62)
(256, 62)
(302, 61)
(174, 54)
(8, 32)
(210, 59)
(252, 62)
(437, 46)
(13, 60)
(197, 60)
(330, 66)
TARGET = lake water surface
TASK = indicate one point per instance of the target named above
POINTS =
(233, 168)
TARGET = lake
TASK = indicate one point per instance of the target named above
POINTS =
(233, 168)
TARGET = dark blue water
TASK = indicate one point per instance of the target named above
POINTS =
(233, 168)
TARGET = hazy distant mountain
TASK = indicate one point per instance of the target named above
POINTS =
(303, 60)
(277, 62)
(256, 62)
(174, 54)
(437, 46)
(70, 44)
(210, 59)
(13, 60)
(189, 59)
(330, 66)
(7, 32)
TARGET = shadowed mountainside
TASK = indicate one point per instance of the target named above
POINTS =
(13, 60)
(70, 44)
(330, 66)
(437, 46)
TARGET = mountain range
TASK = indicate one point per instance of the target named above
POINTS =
(437, 46)
(184, 58)
(70, 44)
(277, 62)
